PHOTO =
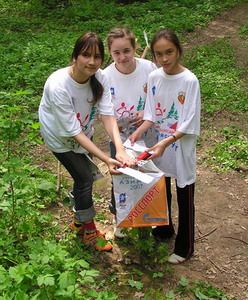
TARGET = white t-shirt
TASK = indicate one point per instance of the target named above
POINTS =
(173, 104)
(65, 110)
(129, 93)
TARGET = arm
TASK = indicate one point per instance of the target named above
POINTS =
(111, 127)
(87, 144)
(137, 118)
(137, 134)
(160, 147)
(147, 48)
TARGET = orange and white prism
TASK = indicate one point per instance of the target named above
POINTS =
(140, 204)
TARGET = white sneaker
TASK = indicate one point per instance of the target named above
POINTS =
(118, 233)
(176, 259)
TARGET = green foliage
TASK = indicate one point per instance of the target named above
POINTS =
(244, 31)
(36, 38)
(231, 152)
(49, 273)
(21, 184)
(201, 290)
(221, 85)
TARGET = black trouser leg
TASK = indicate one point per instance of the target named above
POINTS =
(166, 231)
(169, 197)
(184, 244)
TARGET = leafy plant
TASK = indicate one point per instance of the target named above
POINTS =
(201, 290)
(244, 31)
(230, 153)
(49, 273)
(221, 85)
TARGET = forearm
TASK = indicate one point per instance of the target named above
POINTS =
(111, 127)
(87, 144)
(145, 126)
(172, 138)
(159, 148)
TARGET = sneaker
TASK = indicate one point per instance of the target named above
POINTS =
(118, 233)
(176, 259)
(91, 238)
(80, 230)
(163, 232)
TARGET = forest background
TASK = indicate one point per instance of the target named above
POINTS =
(39, 257)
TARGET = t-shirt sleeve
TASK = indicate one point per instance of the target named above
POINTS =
(105, 105)
(64, 114)
(190, 119)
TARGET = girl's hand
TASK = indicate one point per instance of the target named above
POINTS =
(162, 145)
(124, 158)
(113, 166)
(137, 118)
(158, 150)
(135, 136)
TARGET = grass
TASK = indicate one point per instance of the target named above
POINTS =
(220, 78)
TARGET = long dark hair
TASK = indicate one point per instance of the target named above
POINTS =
(169, 35)
(90, 41)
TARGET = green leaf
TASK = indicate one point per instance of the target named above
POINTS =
(35, 125)
(13, 272)
(200, 295)
(183, 281)
(46, 185)
(5, 205)
(170, 295)
(3, 274)
(20, 295)
(137, 284)
(66, 279)
(83, 263)
(101, 242)
(159, 274)
(45, 280)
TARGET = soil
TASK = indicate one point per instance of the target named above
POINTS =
(221, 254)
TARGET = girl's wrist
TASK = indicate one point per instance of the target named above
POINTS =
(174, 137)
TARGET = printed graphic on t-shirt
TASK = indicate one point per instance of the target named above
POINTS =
(172, 114)
(145, 87)
(181, 97)
(159, 110)
(154, 90)
(87, 119)
(141, 104)
(71, 144)
(166, 123)
(124, 111)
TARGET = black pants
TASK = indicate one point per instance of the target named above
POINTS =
(184, 244)
(78, 166)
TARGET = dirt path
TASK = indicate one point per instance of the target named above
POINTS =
(221, 256)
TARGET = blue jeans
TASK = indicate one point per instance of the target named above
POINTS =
(112, 206)
(79, 168)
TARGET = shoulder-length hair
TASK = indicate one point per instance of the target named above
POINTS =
(90, 42)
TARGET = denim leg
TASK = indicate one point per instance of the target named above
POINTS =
(78, 167)
(112, 206)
